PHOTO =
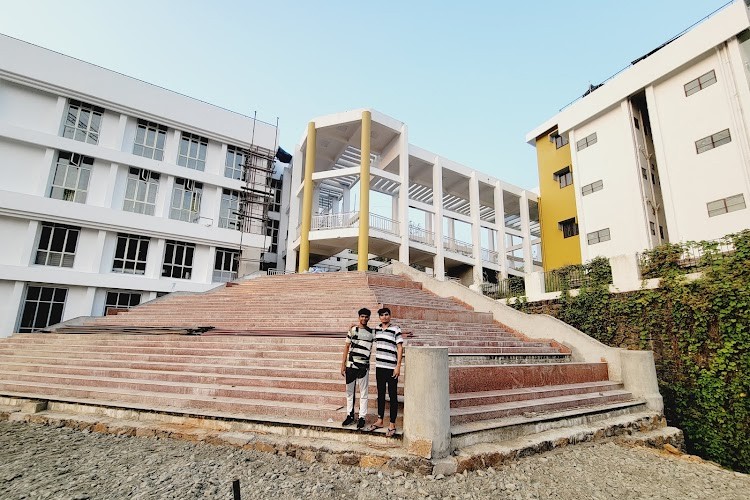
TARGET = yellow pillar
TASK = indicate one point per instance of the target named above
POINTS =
(363, 245)
(307, 201)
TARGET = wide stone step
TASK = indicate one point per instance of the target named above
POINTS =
(171, 388)
(290, 379)
(261, 410)
(463, 360)
(529, 393)
(479, 378)
(531, 407)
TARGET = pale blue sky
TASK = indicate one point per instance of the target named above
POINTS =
(469, 78)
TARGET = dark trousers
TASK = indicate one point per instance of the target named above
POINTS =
(384, 378)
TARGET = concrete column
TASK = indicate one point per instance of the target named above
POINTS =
(307, 200)
(346, 203)
(626, 272)
(155, 258)
(363, 243)
(638, 377)
(476, 227)
(427, 424)
(534, 284)
(526, 232)
(10, 309)
(403, 195)
(293, 177)
(316, 200)
(44, 181)
(164, 196)
(437, 203)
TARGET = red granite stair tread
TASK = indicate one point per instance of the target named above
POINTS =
(488, 424)
(533, 390)
(531, 403)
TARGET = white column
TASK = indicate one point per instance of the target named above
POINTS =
(164, 196)
(526, 232)
(96, 265)
(437, 203)
(295, 178)
(403, 195)
(122, 126)
(316, 200)
(110, 200)
(10, 309)
(155, 258)
(45, 177)
(346, 203)
(476, 235)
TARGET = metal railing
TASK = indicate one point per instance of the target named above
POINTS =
(223, 276)
(419, 235)
(682, 257)
(334, 221)
(458, 246)
(276, 272)
(513, 286)
(576, 276)
(490, 256)
(380, 223)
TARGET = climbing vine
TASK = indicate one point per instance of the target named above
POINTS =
(699, 330)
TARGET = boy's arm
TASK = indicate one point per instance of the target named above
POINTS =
(345, 354)
(399, 354)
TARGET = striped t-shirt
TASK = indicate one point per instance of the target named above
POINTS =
(386, 340)
(361, 339)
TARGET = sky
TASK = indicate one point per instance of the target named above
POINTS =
(469, 78)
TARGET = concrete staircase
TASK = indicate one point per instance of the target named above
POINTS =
(273, 351)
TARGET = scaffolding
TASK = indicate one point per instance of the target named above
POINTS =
(256, 198)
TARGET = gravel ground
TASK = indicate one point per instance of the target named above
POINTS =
(44, 462)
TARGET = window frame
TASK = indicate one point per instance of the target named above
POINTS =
(191, 192)
(564, 177)
(599, 236)
(228, 262)
(81, 167)
(233, 169)
(154, 139)
(145, 185)
(181, 263)
(228, 208)
(191, 151)
(726, 205)
(700, 83)
(65, 256)
(90, 128)
(135, 264)
(712, 142)
(52, 301)
(118, 295)
(569, 227)
(587, 141)
(592, 187)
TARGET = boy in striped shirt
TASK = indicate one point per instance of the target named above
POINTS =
(389, 346)
(355, 366)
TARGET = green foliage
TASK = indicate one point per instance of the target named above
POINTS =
(699, 331)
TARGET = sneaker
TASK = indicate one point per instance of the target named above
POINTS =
(361, 423)
(349, 420)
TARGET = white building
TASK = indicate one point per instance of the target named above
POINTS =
(660, 152)
(114, 191)
(439, 214)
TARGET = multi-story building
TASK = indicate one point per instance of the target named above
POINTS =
(660, 152)
(115, 191)
(439, 215)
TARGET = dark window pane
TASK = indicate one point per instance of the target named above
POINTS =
(42, 315)
(56, 314)
(70, 245)
(47, 294)
(60, 294)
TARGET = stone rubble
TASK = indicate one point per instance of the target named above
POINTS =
(40, 462)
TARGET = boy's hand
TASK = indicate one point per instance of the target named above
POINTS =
(396, 372)
(343, 371)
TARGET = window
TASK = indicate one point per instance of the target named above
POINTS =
(654, 178)
(568, 227)
(598, 236)
(661, 232)
(636, 123)
(186, 200)
(121, 300)
(234, 165)
(564, 177)
(225, 265)
(272, 230)
(587, 141)
(276, 187)
(726, 205)
(228, 212)
(83, 122)
(42, 307)
(653, 228)
(149, 140)
(140, 192)
(192, 152)
(71, 179)
(130, 254)
(592, 188)
(57, 245)
(700, 83)
(713, 141)
(644, 173)
(178, 260)
(558, 139)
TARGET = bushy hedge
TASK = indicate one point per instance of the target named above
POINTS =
(700, 333)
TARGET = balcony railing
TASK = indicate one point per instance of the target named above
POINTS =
(380, 223)
(490, 256)
(334, 221)
(419, 235)
(458, 246)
